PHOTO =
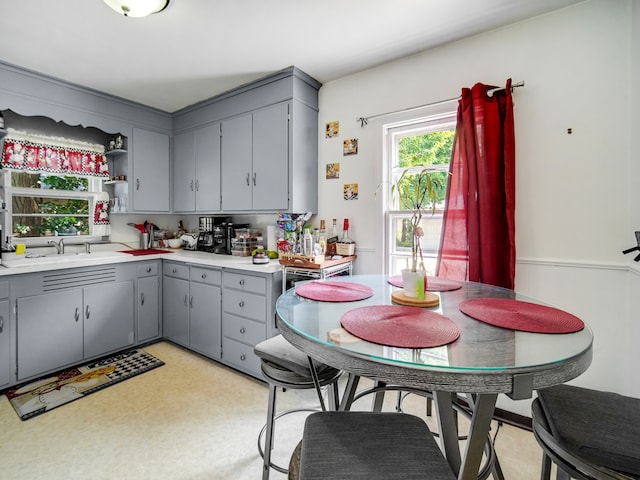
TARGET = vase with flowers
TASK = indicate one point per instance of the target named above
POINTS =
(416, 190)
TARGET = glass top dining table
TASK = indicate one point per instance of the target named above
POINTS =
(482, 362)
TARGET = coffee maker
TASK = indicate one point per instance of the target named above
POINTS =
(223, 232)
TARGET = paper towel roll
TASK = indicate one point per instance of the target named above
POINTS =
(271, 238)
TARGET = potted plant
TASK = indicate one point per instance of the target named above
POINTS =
(417, 190)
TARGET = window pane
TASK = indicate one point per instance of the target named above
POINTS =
(50, 182)
(44, 216)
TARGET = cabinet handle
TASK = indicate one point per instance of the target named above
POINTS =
(137, 184)
(254, 179)
(174, 270)
(185, 300)
(197, 186)
(191, 301)
(142, 298)
(243, 357)
(241, 282)
(248, 176)
(241, 303)
(204, 275)
(191, 185)
(77, 314)
(1, 323)
(242, 330)
(87, 312)
(148, 269)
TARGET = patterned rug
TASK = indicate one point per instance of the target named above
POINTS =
(43, 395)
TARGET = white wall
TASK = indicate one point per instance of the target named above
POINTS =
(575, 211)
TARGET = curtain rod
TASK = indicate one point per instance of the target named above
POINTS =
(365, 120)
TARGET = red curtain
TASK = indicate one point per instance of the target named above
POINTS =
(478, 233)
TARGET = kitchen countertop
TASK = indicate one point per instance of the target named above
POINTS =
(111, 257)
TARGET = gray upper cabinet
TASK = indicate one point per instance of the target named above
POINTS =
(150, 171)
(196, 170)
(236, 163)
(268, 145)
(255, 160)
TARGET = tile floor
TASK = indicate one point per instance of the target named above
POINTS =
(190, 419)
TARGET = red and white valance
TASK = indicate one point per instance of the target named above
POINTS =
(42, 154)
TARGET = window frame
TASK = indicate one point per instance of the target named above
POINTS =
(94, 187)
(432, 118)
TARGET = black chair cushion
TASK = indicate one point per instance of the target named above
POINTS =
(371, 446)
(278, 351)
(602, 428)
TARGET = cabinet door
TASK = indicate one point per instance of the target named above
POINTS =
(108, 318)
(150, 171)
(5, 351)
(148, 308)
(207, 170)
(175, 310)
(236, 151)
(184, 172)
(49, 330)
(205, 320)
(270, 177)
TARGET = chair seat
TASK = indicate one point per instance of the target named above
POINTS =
(599, 428)
(370, 445)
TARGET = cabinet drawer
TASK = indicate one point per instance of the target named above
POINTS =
(243, 329)
(4, 289)
(245, 304)
(241, 356)
(176, 270)
(206, 275)
(148, 269)
(246, 283)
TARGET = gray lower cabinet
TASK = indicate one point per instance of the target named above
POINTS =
(148, 301)
(108, 318)
(191, 299)
(5, 336)
(248, 317)
(65, 316)
(49, 332)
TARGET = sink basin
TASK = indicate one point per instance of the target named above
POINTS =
(23, 261)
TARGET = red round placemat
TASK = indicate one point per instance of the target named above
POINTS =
(400, 326)
(519, 315)
(334, 291)
(434, 284)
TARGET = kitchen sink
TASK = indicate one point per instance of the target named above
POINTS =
(27, 261)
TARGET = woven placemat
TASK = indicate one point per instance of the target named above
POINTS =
(522, 316)
(400, 326)
(324, 291)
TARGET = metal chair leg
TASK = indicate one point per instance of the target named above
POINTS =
(268, 442)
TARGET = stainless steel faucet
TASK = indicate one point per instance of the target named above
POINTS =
(59, 245)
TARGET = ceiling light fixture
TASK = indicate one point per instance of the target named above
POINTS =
(137, 8)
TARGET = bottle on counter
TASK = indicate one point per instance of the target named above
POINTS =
(334, 228)
(322, 237)
(345, 232)
(307, 244)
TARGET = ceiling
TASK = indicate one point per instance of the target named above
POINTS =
(196, 49)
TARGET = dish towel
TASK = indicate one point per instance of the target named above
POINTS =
(101, 223)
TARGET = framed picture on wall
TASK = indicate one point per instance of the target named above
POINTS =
(350, 146)
(332, 129)
(350, 191)
(332, 170)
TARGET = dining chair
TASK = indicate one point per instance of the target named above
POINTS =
(349, 445)
(588, 434)
(284, 366)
